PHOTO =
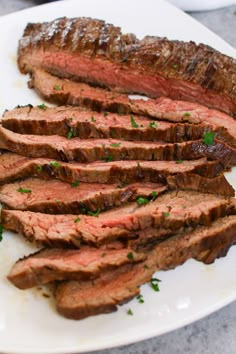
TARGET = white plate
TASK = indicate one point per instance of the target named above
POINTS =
(28, 321)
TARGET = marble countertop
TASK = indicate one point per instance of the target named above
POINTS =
(214, 334)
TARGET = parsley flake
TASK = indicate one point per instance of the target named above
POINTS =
(130, 312)
(142, 201)
(166, 214)
(187, 114)
(179, 161)
(1, 231)
(208, 138)
(140, 299)
(115, 145)
(71, 133)
(42, 106)
(76, 183)
(54, 164)
(93, 119)
(96, 213)
(103, 254)
(57, 87)
(39, 168)
(154, 195)
(154, 284)
(175, 66)
(153, 125)
(130, 255)
(105, 114)
(76, 220)
(108, 158)
(133, 123)
(23, 190)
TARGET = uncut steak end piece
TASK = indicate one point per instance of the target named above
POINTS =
(98, 53)
(169, 213)
(78, 300)
(86, 263)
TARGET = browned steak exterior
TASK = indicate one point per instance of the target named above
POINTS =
(75, 122)
(13, 167)
(171, 211)
(76, 299)
(89, 150)
(58, 264)
(96, 52)
(56, 197)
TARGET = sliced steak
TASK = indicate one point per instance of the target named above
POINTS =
(98, 53)
(98, 99)
(78, 300)
(58, 264)
(89, 150)
(171, 211)
(56, 197)
(13, 167)
(75, 122)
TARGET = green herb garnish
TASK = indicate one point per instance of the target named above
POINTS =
(105, 114)
(108, 158)
(179, 161)
(187, 114)
(175, 66)
(146, 266)
(208, 138)
(54, 164)
(57, 87)
(153, 125)
(115, 145)
(42, 106)
(96, 213)
(166, 214)
(76, 220)
(154, 194)
(133, 123)
(130, 255)
(140, 299)
(23, 190)
(154, 284)
(76, 183)
(1, 231)
(71, 133)
(142, 201)
(103, 254)
(39, 168)
(93, 119)
(130, 312)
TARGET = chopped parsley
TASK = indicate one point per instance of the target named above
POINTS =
(71, 133)
(105, 114)
(57, 87)
(175, 66)
(154, 284)
(1, 231)
(187, 114)
(208, 138)
(42, 106)
(39, 168)
(154, 195)
(130, 255)
(142, 201)
(93, 119)
(115, 145)
(179, 161)
(96, 213)
(108, 158)
(166, 214)
(140, 299)
(23, 190)
(146, 266)
(75, 183)
(55, 164)
(76, 220)
(153, 125)
(103, 254)
(130, 312)
(133, 123)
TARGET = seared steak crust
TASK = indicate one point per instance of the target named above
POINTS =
(13, 167)
(90, 150)
(98, 53)
(76, 299)
(86, 263)
(171, 211)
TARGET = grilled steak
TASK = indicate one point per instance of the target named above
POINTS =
(171, 211)
(98, 53)
(76, 299)
(98, 99)
(90, 150)
(58, 264)
(56, 197)
(71, 122)
(13, 167)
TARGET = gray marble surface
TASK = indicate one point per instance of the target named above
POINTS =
(214, 334)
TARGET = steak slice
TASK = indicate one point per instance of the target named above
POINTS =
(48, 265)
(171, 211)
(98, 99)
(13, 167)
(78, 300)
(89, 150)
(56, 197)
(74, 121)
(98, 53)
